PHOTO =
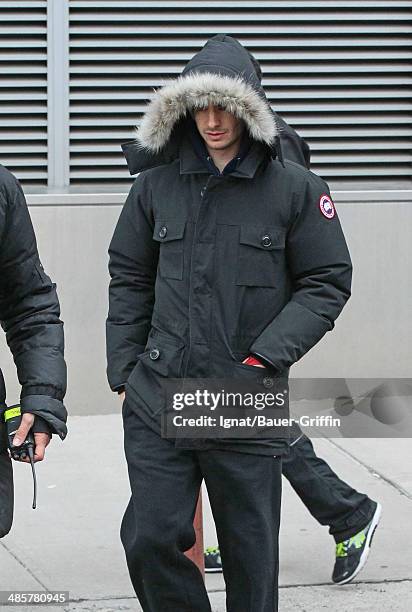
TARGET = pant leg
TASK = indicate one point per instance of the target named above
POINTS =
(157, 526)
(328, 498)
(245, 492)
(6, 494)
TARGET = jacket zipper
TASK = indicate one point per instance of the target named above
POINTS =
(202, 195)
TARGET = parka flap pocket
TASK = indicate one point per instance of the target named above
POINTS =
(262, 236)
(162, 359)
(167, 230)
(261, 255)
(169, 233)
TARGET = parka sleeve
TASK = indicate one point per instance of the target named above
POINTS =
(29, 314)
(133, 256)
(321, 269)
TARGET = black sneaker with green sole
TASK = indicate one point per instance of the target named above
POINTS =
(213, 562)
(351, 554)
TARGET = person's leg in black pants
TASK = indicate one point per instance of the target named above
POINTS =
(6, 494)
(245, 493)
(330, 500)
(157, 526)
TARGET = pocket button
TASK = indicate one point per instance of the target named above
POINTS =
(154, 354)
(268, 382)
(163, 232)
(266, 241)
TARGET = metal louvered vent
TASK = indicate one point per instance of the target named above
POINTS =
(339, 72)
(23, 90)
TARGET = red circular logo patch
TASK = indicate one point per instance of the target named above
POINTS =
(326, 206)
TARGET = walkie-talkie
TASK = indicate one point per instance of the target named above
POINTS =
(12, 417)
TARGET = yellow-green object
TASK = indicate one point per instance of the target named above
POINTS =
(11, 412)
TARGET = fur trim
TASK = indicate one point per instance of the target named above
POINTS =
(194, 91)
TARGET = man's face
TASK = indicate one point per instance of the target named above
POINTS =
(218, 128)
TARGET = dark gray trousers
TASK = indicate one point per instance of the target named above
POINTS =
(330, 500)
(157, 527)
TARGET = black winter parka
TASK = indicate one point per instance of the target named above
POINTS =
(29, 314)
(207, 269)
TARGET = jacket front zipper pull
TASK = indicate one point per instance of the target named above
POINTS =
(203, 190)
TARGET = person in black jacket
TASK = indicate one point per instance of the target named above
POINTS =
(29, 314)
(210, 266)
(352, 516)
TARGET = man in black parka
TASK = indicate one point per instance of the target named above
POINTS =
(208, 267)
(29, 314)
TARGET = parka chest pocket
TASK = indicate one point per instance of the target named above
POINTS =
(260, 255)
(170, 233)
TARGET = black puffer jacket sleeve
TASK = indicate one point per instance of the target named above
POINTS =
(30, 311)
(133, 256)
(321, 268)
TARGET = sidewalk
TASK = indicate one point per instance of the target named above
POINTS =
(71, 541)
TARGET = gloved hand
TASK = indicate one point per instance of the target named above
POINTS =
(41, 440)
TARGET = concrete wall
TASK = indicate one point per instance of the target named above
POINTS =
(372, 337)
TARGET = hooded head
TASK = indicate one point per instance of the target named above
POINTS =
(222, 73)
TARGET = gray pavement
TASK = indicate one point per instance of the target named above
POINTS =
(71, 541)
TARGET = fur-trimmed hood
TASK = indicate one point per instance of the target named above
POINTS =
(221, 73)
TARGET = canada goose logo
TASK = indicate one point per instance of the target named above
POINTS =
(326, 206)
